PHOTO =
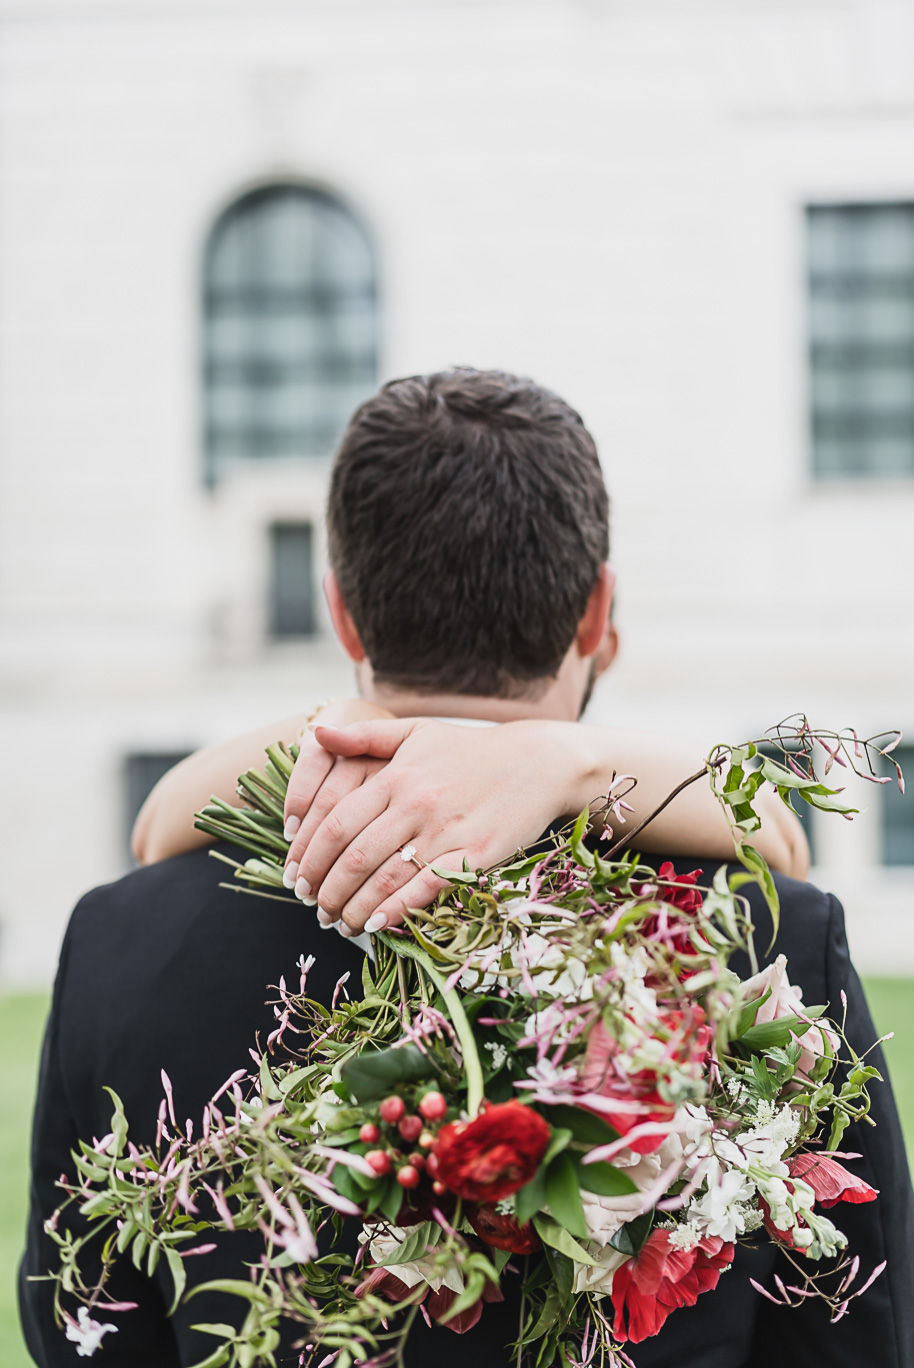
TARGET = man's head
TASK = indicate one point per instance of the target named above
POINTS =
(468, 533)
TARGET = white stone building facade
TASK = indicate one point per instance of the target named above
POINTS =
(609, 195)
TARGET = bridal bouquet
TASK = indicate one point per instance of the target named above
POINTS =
(549, 1086)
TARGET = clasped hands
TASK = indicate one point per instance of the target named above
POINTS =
(361, 795)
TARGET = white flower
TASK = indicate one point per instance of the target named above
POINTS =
(545, 1076)
(87, 1335)
(382, 1243)
(684, 1236)
(605, 1215)
(599, 1278)
(721, 1210)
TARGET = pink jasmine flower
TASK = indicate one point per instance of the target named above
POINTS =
(86, 1333)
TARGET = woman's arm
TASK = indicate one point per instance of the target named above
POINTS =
(455, 793)
(165, 824)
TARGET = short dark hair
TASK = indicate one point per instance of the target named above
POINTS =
(467, 522)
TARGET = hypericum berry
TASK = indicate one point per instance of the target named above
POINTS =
(431, 1164)
(438, 1188)
(417, 1161)
(410, 1128)
(426, 1139)
(379, 1161)
(408, 1177)
(392, 1108)
(433, 1106)
(369, 1133)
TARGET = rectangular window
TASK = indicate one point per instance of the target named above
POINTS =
(860, 262)
(292, 606)
(142, 771)
(898, 812)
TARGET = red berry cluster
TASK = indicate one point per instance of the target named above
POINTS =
(412, 1129)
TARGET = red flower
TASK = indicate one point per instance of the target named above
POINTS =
(688, 1039)
(388, 1285)
(439, 1303)
(674, 932)
(830, 1181)
(686, 899)
(503, 1232)
(491, 1157)
(648, 1288)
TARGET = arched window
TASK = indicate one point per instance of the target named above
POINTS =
(290, 327)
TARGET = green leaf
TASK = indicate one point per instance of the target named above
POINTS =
(235, 1287)
(139, 1248)
(216, 1328)
(839, 1125)
(630, 1238)
(563, 1195)
(763, 1080)
(749, 1013)
(375, 1073)
(414, 1246)
(551, 1233)
(559, 1140)
(576, 841)
(549, 1314)
(604, 1179)
(760, 872)
(562, 1268)
(455, 876)
(529, 1199)
(772, 1033)
(585, 1127)
(391, 1201)
(179, 1276)
(118, 1122)
(217, 1357)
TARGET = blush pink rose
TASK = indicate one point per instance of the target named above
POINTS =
(787, 1000)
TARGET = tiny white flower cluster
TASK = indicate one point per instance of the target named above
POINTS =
(498, 1051)
(740, 1169)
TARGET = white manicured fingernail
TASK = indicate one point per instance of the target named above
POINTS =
(376, 922)
(345, 930)
(290, 874)
(291, 827)
(325, 918)
(303, 891)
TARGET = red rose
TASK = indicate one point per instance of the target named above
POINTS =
(491, 1157)
(660, 1279)
(830, 1181)
(503, 1232)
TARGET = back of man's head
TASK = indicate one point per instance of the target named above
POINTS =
(468, 521)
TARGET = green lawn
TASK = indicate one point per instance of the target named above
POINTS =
(21, 1024)
(21, 1027)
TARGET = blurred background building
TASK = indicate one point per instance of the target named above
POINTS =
(224, 222)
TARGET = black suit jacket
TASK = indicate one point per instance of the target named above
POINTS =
(165, 969)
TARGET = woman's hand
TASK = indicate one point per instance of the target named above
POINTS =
(402, 796)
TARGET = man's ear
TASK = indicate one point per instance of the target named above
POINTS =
(342, 621)
(594, 627)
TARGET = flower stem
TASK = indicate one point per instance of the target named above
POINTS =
(464, 1031)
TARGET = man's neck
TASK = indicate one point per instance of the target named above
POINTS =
(550, 704)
